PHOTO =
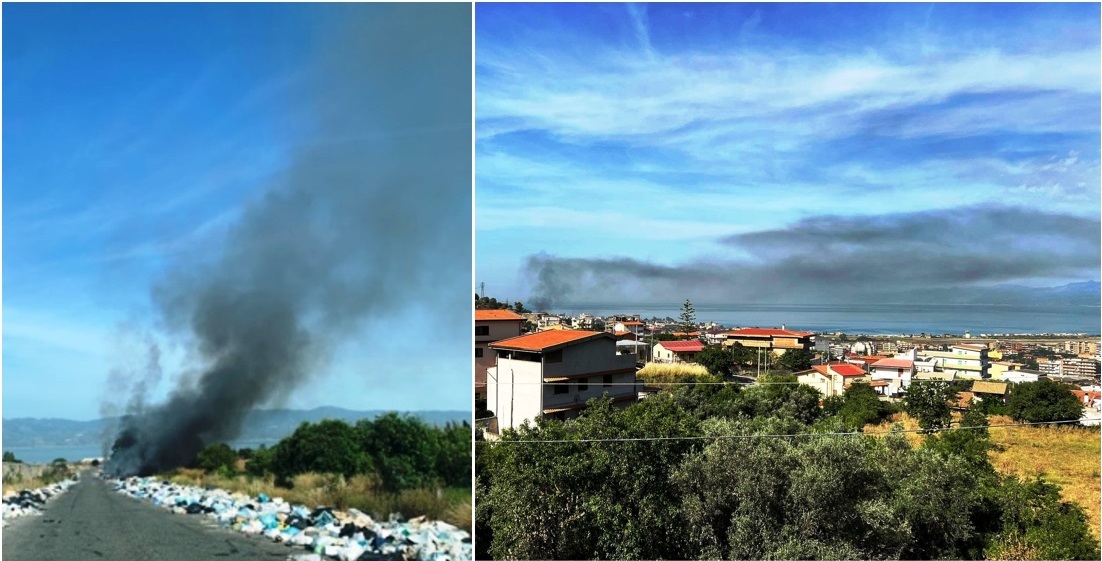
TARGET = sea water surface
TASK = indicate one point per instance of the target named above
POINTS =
(976, 319)
(47, 454)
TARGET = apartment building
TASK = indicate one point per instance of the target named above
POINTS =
(776, 340)
(491, 326)
(961, 361)
(554, 373)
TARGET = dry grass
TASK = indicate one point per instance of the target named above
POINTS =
(452, 505)
(656, 372)
(1066, 455)
(916, 439)
(18, 477)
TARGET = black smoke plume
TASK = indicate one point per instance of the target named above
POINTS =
(373, 217)
(971, 254)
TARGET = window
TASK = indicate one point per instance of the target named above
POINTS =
(480, 330)
(561, 388)
(553, 356)
(583, 384)
(478, 352)
(607, 380)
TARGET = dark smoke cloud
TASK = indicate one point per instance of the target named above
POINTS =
(911, 257)
(372, 219)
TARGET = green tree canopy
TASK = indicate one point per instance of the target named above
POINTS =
(716, 360)
(329, 446)
(928, 403)
(795, 360)
(1043, 401)
(217, 457)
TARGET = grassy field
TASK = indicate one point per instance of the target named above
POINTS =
(452, 505)
(1065, 455)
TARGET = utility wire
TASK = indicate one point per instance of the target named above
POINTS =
(743, 436)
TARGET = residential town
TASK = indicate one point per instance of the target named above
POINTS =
(541, 364)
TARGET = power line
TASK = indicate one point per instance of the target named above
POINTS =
(794, 435)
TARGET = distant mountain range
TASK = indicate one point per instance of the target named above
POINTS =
(1088, 293)
(267, 425)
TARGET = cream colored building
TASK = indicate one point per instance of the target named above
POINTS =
(833, 378)
(962, 361)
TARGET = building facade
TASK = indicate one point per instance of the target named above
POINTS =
(776, 340)
(491, 326)
(554, 373)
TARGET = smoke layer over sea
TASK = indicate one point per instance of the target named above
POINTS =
(373, 216)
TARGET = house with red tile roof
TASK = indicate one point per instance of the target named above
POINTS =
(677, 351)
(635, 327)
(896, 373)
(776, 340)
(554, 373)
(490, 326)
(832, 378)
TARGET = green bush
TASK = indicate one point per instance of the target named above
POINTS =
(217, 457)
(1043, 401)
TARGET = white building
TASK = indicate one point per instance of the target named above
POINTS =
(832, 378)
(554, 373)
(897, 372)
(677, 351)
(963, 361)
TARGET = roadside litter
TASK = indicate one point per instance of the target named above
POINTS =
(323, 532)
(31, 501)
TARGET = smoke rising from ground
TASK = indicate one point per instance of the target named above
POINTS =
(373, 217)
(915, 257)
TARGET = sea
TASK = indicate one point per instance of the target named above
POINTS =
(47, 454)
(896, 319)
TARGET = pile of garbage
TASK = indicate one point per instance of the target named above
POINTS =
(31, 501)
(325, 532)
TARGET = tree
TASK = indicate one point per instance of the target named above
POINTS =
(795, 360)
(687, 317)
(716, 360)
(970, 444)
(10, 457)
(857, 407)
(1036, 524)
(742, 357)
(217, 457)
(1043, 401)
(329, 446)
(928, 403)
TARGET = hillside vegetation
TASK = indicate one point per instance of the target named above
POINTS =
(1065, 455)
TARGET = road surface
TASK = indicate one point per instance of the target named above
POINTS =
(91, 521)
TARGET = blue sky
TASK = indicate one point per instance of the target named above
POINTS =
(134, 138)
(658, 152)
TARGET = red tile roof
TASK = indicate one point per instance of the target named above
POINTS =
(496, 315)
(870, 359)
(682, 346)
(894, 363)
(546, 340)
(630, 322)
(757, 332)
(843, 369)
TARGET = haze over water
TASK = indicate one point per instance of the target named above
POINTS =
(874, 319)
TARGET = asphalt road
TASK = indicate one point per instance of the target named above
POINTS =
(91, 521)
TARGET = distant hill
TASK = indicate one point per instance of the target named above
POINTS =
(264, 425)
